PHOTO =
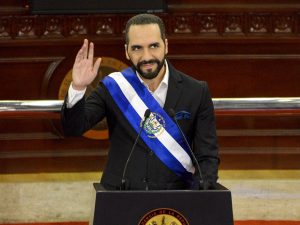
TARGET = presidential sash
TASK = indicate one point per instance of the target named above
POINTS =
(160, 132)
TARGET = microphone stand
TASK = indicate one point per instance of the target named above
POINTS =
(123, 181)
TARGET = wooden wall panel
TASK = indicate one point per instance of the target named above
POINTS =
(26, 77)
(242, 48)
(236, 76)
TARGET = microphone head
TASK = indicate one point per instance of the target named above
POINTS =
(147, 113)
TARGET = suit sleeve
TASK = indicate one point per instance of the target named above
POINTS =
(205, 143)
(84, 114)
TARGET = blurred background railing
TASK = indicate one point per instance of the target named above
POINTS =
(223, 106)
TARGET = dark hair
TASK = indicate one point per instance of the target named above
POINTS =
(144, 19)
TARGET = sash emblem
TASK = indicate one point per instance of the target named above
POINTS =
(154, 125)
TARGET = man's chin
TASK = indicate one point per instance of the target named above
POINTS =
(149, 76)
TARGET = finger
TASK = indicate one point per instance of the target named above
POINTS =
(79, 56)
(91, 54)
(96, 66)
(91, 51)
(85, 48)
(82, 52)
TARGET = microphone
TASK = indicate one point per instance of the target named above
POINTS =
(123, 181)
(173, 115)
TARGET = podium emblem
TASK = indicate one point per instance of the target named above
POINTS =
(163, 216)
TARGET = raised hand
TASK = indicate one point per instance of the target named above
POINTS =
(84, 70)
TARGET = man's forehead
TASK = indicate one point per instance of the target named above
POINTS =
(147, 32)
(151, 26)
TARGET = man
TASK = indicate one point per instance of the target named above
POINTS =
(161, 158)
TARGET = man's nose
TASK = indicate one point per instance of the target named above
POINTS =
(146, 55)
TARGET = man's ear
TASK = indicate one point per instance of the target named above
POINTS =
(166, 44)
(126, 52)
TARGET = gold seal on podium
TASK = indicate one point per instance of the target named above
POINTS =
(163, 216)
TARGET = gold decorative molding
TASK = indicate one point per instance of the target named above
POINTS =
(202, 23)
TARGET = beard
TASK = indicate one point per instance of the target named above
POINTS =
(149, 74)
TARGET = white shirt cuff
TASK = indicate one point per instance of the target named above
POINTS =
(74, 96)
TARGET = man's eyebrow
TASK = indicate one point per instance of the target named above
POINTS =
(139, 46)
(135, 46)
(154, 43)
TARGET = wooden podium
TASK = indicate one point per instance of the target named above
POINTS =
(171, 207)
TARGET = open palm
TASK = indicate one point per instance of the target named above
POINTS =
(84, 68)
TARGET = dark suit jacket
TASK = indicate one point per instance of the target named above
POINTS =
(184, 94)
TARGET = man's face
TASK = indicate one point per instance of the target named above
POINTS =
(146, 50)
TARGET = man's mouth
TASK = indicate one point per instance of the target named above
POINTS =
(148, 66)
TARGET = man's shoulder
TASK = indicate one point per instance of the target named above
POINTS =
(190, 80)
(187, 80)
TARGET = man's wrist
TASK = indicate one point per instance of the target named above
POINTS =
(78, 88)
(74, 96)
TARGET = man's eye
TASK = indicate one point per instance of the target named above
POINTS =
(135, 48)
(154, 46)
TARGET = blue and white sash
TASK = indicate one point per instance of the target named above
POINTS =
(160, 133)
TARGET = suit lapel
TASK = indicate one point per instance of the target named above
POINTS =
(174, 88)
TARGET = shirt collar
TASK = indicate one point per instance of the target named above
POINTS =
(165, 80)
